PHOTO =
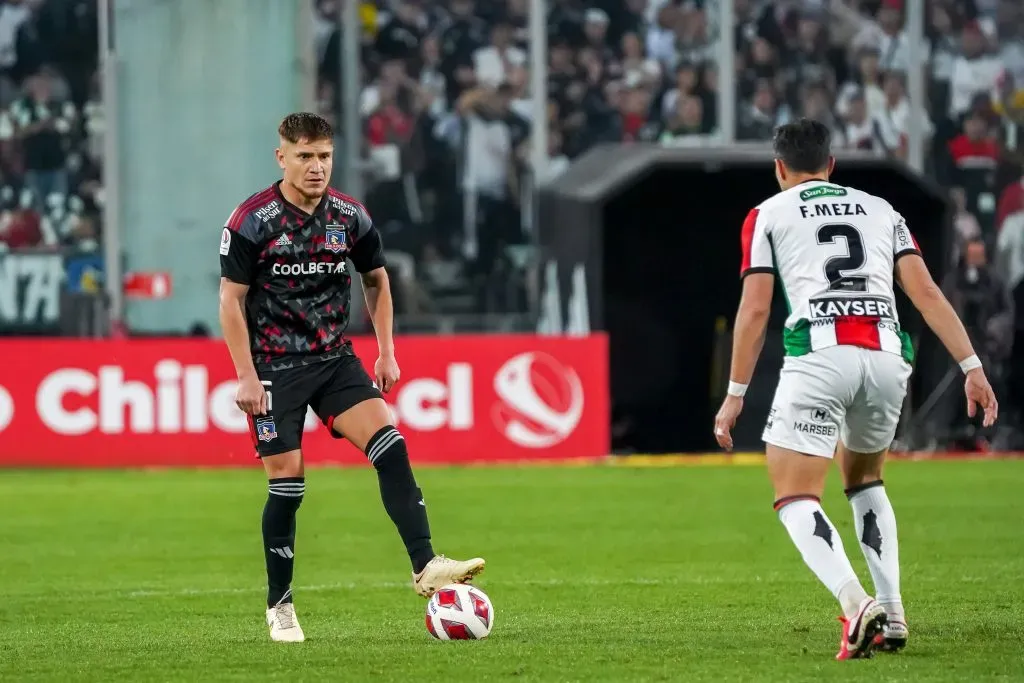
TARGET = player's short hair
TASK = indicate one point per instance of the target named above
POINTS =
(305, 125)
(803, 146)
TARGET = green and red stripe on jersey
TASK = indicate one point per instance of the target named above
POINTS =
(865, 332)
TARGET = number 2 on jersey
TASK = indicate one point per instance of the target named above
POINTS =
(839, 269)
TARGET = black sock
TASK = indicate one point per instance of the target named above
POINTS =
(279, 536)
(402, 499)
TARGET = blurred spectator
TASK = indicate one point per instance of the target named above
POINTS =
(42, 122)
(861, 132)
(20, 225)
(759, 118)
(1010, 201)
(867, 81)
(400, 36)
(1010, 266)
(817, 104)
(975, 71)
(685, 126)
(945, 49)
(982, 301)
(1009, 106)
(595, 35)
(965, 226)
(12, 16)
(975, 156)
(491, 131)
(492, 63)
(893, 120)
(884, 33)
(686, 84)
(1010, 250)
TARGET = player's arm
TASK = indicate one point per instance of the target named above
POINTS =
(233, 324)
(367, 256)
(377, 292)
(758, 273)
(749, 329)
(237, 263)
(913, 276)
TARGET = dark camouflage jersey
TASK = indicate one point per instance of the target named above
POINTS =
(297, 267)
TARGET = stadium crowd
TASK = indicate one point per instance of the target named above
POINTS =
(51, 123)
(447, 120)
(445, 106)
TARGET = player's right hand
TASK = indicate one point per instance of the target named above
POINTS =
(731, 408)
(251, 397)
(979, 393)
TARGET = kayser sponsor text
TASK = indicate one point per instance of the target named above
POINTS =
(170, 402)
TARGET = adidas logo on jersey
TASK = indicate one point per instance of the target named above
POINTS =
(283, 241)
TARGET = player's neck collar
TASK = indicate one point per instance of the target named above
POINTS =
(298, 209)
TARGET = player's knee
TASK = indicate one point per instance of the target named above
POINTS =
(287, 464)
(288, 492)
(386, 448)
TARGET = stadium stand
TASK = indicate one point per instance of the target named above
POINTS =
(51, 123)
(446, 82)
(447, 125)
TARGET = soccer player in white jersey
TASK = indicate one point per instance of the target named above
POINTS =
(834, 250)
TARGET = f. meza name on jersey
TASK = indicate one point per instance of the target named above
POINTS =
(833, 248)
(296, 267)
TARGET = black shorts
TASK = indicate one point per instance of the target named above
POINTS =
(329, 388)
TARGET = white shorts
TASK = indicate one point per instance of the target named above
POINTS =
(839, 392)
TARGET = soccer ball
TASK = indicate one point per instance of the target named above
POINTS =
(459, 612)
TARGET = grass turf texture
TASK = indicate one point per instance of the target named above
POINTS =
(597, 573)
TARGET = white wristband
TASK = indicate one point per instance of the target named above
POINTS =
(736, 389)
(970, 363)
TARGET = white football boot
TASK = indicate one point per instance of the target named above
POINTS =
(284, 625)
(442, 571)
(893, 637)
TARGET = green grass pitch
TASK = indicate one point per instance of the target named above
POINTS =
(596, 573)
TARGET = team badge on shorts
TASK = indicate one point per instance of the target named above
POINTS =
(266, 430)
(335, 239)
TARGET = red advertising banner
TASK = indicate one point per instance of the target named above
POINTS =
(170, 402)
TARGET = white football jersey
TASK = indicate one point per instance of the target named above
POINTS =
(833, 249)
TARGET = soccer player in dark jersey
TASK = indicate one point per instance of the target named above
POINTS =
(285, 296)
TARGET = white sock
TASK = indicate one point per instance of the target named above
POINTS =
(818, 542)
(876, 531)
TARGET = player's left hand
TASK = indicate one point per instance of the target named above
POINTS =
(731, 408)
(387, 372)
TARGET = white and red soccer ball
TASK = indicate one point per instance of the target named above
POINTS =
(459, 611)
